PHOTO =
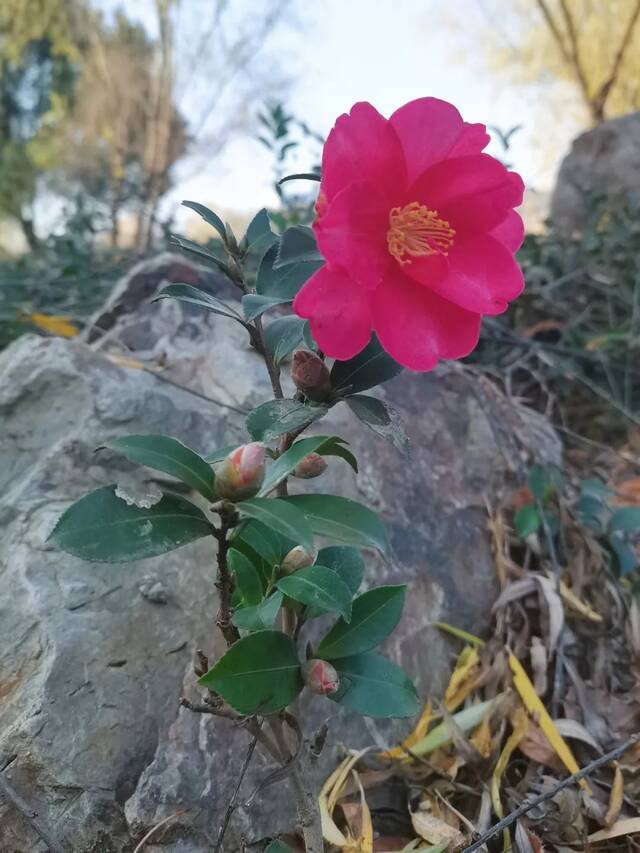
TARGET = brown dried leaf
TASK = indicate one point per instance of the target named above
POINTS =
(432, 823)
(536, 747)
(539, 664)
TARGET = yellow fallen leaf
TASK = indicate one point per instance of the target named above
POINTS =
(61, 326)
(615, 799)
(365, 842)
(535, 707)
(629, 826)
(125, 361)
(458, 632)
(463, 679)
(577, 604)
(481, 738)
(329, 795)
(520, 724)
(420, 730)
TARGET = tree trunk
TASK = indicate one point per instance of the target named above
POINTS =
(26, 223)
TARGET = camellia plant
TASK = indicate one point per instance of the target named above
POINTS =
(414, 241)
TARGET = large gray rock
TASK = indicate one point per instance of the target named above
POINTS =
(93, 658)
(603, 161)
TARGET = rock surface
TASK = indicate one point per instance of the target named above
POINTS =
(93, 658)
(605, 160)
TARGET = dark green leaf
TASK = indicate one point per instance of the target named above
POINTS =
(273, 419)
(259, 237)
(375, 687)
(320, 588)
(593, 513)
(219, 455)
(104, 528)
(258, 674)
(260, 616)
(374, 615)
(626, 518)
(195, 296)
(284, 465)
(342, 520)
(596, 488)
(346, 561)
(263, 541)
(297, 244)
(280, 516)
(247, 577)
(382, 419)
(285, 282)
(201, 251)
(254, 305)
(300, 176)
(527, 520)
(370, 367)
(209, 217)
(543, 481)
(283, 335)
(626, 553)
(170, 456)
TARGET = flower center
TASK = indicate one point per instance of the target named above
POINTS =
(416, 230)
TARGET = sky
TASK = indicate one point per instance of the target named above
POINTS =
(384, 51)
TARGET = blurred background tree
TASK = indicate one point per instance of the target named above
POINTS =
(591, 47)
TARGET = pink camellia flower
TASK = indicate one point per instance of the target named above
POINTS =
(418, 233)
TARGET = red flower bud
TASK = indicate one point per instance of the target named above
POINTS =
(310, 375)
(240, 475)
(320, 677)
(311, 466)
(297, 558)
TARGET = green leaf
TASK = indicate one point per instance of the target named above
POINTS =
(297, 244)
(209, 217)
(195, 296)
(277, 846)
(253, 305)
(374, 615)
(527, 521)
(283, 335)
(443, 734)
(258, 674)
(220, 454)
(274, 418)
(318, 587)
(626, 554)
(284, 465)
(284, 282)
(260, 616)
(104, 528)
(300, 176)
(268, 544)
(375, 687)
(169, 455)
(346, 561)
(370, 367)
(282, 517)
(382, 419)
(342, 520)
(543, 481)
(626, 518)
(247, 577)
(201, 251)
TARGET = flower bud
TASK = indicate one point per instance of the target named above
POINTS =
(310, 375)
(320, 677)
(240, 475)
(311, 466)
(297, 558)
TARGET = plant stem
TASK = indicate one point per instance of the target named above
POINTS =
(272, 369)
(224, 583)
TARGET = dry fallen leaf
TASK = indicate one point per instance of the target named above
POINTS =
(61, 326)
(534, 705)
(431, 823)
(629, 826)
(615, 800)
(463, 678)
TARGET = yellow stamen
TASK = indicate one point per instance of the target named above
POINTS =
(416, 230)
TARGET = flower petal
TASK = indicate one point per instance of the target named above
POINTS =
(473, 140)
(362, 146)
(417, 327)
(338, 313)
(428, 129)
(483, 275)
(352, 233)
(472, 193)
(510, 232)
